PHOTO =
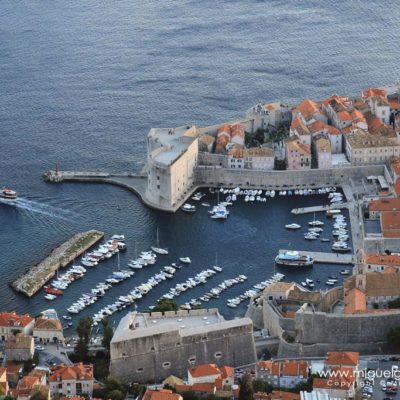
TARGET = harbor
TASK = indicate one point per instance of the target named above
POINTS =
(321, 208)
(36, 277)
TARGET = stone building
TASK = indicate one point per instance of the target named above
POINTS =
(72, 380)
(323, 151)
(151, 347)
(269, 114)
(48, 330)
(298, 154)
(283, 374)
(364, 148)
(20, 347)
(254, 158)
(171, 159)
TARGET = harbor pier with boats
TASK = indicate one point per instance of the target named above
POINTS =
(323, 257)
(32, 281)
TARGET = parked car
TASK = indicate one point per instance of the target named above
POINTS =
(39, 348)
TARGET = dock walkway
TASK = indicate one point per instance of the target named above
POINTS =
(327, 258)
(313, 209)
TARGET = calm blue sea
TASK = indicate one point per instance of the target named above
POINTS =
(81, 83)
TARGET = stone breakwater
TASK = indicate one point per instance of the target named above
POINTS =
(32, 280)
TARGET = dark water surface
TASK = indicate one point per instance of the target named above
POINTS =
(82, 82)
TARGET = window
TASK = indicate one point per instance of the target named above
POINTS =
(166, 364)
(139, 370)
(158, 186)
(218, 354)
(158, 178)
(192, 360)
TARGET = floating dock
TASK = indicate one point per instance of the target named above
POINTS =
(309, 210)
(327, 258)
(32, 281)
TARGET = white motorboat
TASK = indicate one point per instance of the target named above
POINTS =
(294, 258)
(310, 283)
(293, 226)
(344, 272)
(188, 208)
(315, 223)
(50, 296)
(205, 204)
(8, 196)
(185, 260)
(118, 238)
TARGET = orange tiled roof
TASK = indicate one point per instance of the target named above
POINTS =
(225, 129)
(394, 104)
(197, 387)
(162, 394)
(13, 320)
(386, 204)
(48, 324)
(355, 301)
(374, 124)
(390, 223)
(357, 114)
(333, 131)
(299, 126)
(383, 259)
(370, 92)
(227, 372)
(344, 116)
(307, 108)
(73, 372)
(276, 395)
(342, 358)
(237, 130)
(28, 382)
(285, 368)
(294, 143)
(204, 370)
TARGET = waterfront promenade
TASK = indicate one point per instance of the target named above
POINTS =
(313, 209)
(326, 258)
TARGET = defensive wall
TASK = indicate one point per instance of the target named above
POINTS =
(206, 175)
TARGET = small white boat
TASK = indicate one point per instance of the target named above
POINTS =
(310, 283)
(50, 296)
(293, 226)
(344, 272)
(188, 208)
(205, 204)
(185, 260)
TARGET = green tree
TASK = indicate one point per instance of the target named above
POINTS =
(394, 303)
(165, 305)
(39, 395)
(84, 329)
(261, 386)
(107, 334)
(137, 390)
(246, 388)
(116, 395)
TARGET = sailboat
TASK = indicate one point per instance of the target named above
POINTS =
(216, 267)
(157, 249)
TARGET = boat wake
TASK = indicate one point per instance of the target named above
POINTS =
(44, 209)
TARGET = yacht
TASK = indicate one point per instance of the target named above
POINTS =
(341, 247)
(50, 296)
(185, 260)
(188, 208)
(293, 226)
(315, 223)
(8, 195)
(311, 236)
(294, 258)
(310, 283)
(344, 272)
(220, 214)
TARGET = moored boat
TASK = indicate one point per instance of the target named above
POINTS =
(294, 259)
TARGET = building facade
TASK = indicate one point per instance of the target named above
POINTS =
(151, 347)
(72, 380)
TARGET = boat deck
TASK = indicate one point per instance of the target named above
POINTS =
(327, 258)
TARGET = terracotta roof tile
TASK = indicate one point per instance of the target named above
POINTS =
(355, 301)
(370, 92)
(307, 108)
(162, 394)
(74, 372)
(342, 358)
(204, 370)
(12, 319)
(48, 324)
(383, 259)
(385, 204)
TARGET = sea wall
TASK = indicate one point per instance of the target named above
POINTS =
(219, 176)
(33, 279)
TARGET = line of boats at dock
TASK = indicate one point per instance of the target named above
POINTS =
(250, 195)
(105, 251)
(248, 294)
(340, 231)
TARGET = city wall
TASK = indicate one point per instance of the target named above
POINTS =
(218, 176)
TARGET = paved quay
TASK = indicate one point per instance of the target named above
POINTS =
(313, 209)
(327, 258)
